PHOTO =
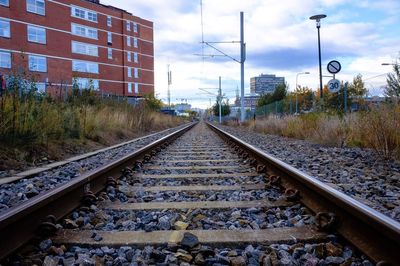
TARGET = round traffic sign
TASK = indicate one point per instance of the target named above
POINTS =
(334, 67)
(334, 85)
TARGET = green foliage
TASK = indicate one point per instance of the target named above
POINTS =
(393, 83)
(279, 94)
(355, 91)
(225, 108)
(152, 103)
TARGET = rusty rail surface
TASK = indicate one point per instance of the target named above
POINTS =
(21, 223)
(373, 233)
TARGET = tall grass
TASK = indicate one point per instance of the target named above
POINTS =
(34, 120)
(378, 128)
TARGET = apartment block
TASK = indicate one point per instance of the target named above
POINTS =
(65, 43)
(265, 83)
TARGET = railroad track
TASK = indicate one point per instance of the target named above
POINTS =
(200, 199)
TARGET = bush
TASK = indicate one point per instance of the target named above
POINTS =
(377, 129)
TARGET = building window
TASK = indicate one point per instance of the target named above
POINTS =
(128, 26)
(36, 34)
(136, 88)
(85, 83)
(135, 43)
(4, 3)
(109, 37)
(136, 73)
(5, 59)
(109, 53)
(4, 28)
(135, 28)
(37, 63)
(130, 87)
(84, 31)
(129, 72)
(109, 21)
(84, 66)
(36, 6)
(128, 41)
(135, 57)
(82, 13)
(84, 48)
(129, 57)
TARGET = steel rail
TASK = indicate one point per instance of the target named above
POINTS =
(373, 233)
(20, 224)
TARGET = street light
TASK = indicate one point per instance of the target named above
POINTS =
(389, 64)
(317, 19)
(297, 76)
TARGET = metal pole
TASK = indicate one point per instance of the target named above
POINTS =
(242, 59)
(296, 93)
(169, 83)
(345, 97)
(319, 57)
(220, 101)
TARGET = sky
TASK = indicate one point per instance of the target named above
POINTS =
(280, 39)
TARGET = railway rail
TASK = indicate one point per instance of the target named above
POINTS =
(197, 199)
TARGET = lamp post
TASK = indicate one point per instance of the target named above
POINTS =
(297, 76)
(317, 19)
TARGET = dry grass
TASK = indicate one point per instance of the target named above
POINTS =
(378, 129)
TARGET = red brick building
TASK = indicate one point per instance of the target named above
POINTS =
(66, 42)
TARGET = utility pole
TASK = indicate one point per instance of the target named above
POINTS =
(220, 100)
(169, 84)
(242, 59)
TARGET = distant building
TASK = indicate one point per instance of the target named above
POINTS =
(265, 83)
(250, 101)
(182, 107)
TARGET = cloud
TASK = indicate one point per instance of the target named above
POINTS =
(280, 39)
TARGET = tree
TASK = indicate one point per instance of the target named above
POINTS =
(152, 103)
(278, 95)
(355, 90)
(225, 108)
(393, 82)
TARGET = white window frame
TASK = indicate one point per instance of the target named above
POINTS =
(136, 88)
(84, 48)
(136, 73)
(32, 7)
(34, 34)
(109, 21)
(128, 25)
(135, 57)
(109, 37)
(109, 53)
(85, 66)
(5, 59)
(128, 41)
(129, 56)
(84, 31)
(83, 83)
(129, 87)
(135, 27)
(83, 13)
(35, 63)
(129, 69)
(4, 3)
(7, 30)
(135, 42)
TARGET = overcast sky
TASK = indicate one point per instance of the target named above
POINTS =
(280, 39)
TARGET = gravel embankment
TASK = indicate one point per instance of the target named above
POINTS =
(13, 194)
(358, 173)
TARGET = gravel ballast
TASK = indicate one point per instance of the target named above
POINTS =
(356, 172)
(13, 194)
